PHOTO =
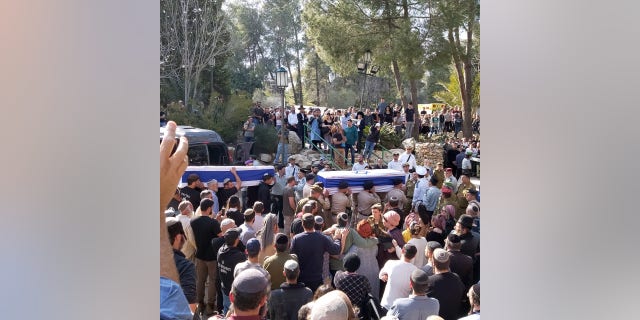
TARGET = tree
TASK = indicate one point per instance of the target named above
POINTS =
(193, 34)
(451, 19)
(395, 32)
(451, 93)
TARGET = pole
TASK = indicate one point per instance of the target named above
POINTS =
(364, 85)
(281, 146)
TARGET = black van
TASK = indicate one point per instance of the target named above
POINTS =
(206, 147)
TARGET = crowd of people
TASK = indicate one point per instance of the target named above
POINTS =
(292, 250)
(343, 131)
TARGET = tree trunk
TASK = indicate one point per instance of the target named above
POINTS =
(317, 80)
(298, 64)
(462, 70)
(398, 78)
(467, 128)
(413, 87)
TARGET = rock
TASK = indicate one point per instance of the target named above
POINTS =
(409, 142)
(295, 145)
(302, 161)
(431, 152)
(265, 157)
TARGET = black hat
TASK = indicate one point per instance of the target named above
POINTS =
(343, 185)
(472, 191)
(453, 238)
(351, 262)
(466, 221)
(397, 182)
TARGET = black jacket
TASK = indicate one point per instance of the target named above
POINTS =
(285, 302)
(228, 258)
(462, 265)
(470, 244)
(374, 135)
(264, 195)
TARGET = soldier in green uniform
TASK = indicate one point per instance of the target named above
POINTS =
(447, 198)
(319, 195)
(410, 186)
(439, 173)
(464, 186)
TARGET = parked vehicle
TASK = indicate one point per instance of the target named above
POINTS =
(206, 147)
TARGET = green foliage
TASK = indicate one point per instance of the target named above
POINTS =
(451, 93)
(224, 117)
(342, 98)
(388, 137)
(266, 139)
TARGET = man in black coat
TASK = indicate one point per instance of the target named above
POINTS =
(228, 257)
(264, 191)
(445, 286)
(205, 229)
(460, 263)
(302, 121)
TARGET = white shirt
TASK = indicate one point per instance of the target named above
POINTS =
(189, 248)
(421, 244)
(357, 166)
(291, 171)
(395, 165)
(453, 180)
(466, 163)
(292, 118)
(408, 157)
(257, 224)
(398, 281)
(306, 190)
(420, 191)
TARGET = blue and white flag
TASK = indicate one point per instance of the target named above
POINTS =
(250, 175)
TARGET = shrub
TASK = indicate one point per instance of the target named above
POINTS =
(266, 139)
(388, 137)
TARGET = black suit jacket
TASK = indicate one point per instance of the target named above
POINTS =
(462, 265)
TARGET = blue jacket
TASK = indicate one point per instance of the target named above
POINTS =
(187, 273)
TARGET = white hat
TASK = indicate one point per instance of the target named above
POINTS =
(421, 171)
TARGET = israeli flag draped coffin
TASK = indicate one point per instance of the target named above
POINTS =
(382, 179)
(250, 175)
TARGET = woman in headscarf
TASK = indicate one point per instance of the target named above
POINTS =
(437, 229)
(368, 266)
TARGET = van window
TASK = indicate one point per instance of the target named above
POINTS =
(198, 155)
(218, 154)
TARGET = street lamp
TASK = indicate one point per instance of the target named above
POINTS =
(363, 68)
(281, 83)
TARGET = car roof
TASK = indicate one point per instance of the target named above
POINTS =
(195, 135)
